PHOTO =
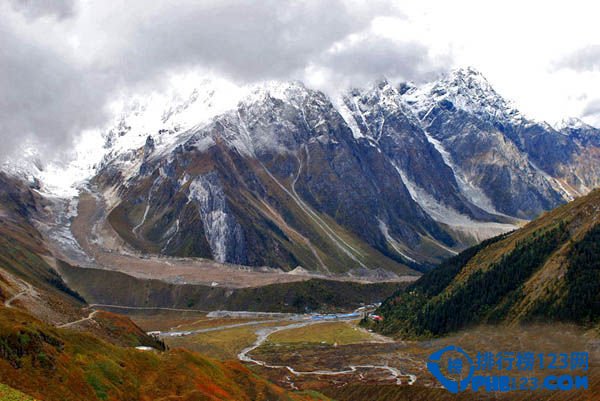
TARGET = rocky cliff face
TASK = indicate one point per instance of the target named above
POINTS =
(388, 178)
(522, 167)
(484, 140)
(584, 169)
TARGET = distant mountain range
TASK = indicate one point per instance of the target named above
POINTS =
(382, 181)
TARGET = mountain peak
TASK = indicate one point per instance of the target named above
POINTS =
(283, 90)
(467, 89)
(382, 82)
(469, 78)
(381, 92)
(572, 123)
(467, 71)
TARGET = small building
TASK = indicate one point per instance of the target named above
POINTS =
(376, 318)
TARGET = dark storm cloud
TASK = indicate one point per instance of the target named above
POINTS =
(378, 57)
(592, 108)
(247, 40)
(584, 59)
(44, 98)
(39, 8)
(62, 61)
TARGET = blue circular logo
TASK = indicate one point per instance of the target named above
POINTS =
(454, 386)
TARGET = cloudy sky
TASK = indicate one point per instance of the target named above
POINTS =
(63, 61)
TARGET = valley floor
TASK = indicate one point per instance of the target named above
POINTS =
(339, 358)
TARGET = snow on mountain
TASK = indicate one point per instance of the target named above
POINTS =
(572, 123)
(166, 116)
(171, 117)
(348, 117)
(442, 213)
(223, 233)
(471, 191)
(448, 160)
(494, 148)
(190, 102)
(465, 89)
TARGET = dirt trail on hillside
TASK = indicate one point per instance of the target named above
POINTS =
(27, 290)
(84, 319)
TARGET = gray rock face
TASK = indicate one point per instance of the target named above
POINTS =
(388, 124)
(517, 163)
(223, 233)
(392, 178)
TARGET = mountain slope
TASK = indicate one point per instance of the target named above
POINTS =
(278, 182)
(505, 160)
(53, 347)
(389, 178)
(546, 270)
(26, 277)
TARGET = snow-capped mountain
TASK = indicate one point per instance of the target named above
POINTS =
(286, 163)
(498, 149)
(579, 131)
(465, 89)
(478, 131)
(389, 177)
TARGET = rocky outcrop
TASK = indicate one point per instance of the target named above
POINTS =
(391, 177)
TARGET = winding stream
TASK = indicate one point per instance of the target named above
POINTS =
(294, 322)
(264, 333)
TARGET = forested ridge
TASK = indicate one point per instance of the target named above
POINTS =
(444, 300)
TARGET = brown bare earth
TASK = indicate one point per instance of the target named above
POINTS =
(334, 347)
(410, 358)
(100, 242)
(547, 338)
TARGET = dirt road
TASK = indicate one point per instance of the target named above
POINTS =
(264, 333)
(28, 290)
(85, 319)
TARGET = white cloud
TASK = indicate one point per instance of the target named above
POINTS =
(516, 45)
(62, 61)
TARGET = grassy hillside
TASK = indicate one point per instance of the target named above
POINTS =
(22, 258)
(59, 364)
(10, 394)
(388, 392)
(548, 270)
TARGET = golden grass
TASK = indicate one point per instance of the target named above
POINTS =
(222, 344)
(65, 365)
(165, 320)
(340, 333)
(10, 394)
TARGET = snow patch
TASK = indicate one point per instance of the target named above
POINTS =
(349, 119)
(468, 90)
(451, 217)
(555, 183)
(386, 233)
(148, 203)
(471, 191)
(223, 233)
